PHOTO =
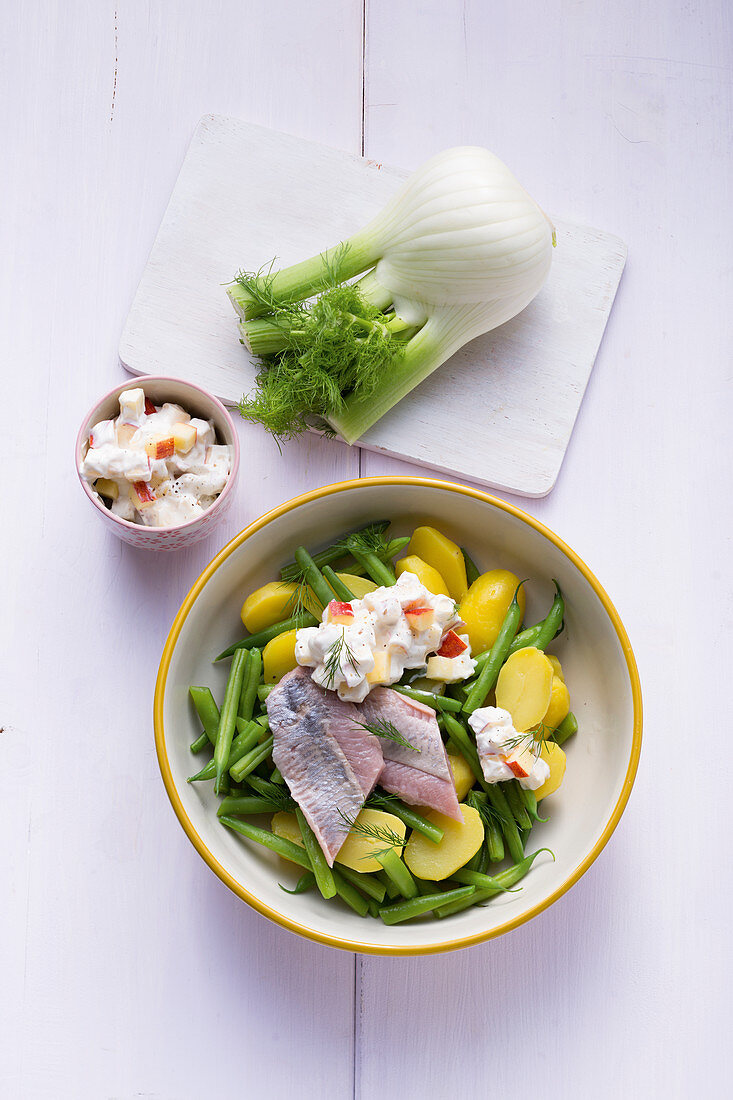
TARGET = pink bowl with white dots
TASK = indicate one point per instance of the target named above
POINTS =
(198, 403)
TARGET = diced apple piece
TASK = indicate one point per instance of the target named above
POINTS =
(380, 673)
(149, 407)
(160, 447)
(132, 405)
(419, 618)
(340, 613)
(141, 495)
(521, 761)
(125, 432)
(107, 488)
(184, 437)
(452, 645)
(447, 669)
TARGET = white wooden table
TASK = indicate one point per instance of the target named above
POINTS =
(127, 969)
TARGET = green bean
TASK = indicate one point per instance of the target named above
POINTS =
(530, 803)
(201, 742)
(264, 690)
(566, 729)
(340, 590)
(249, 685)
(228, 715)
(498, 885)
(368, 884)
(472, 572)
(397, 872)
(304, 883)
(207, 710)
(347, 893)
(416, 907)
(324, 875)
(379, 572)
(494, 842)
(373, 907)
(313, 577)
(498, 654)
(389, 886)
(410, 817)
(509, 828)
(243, 804)
(249, 735)
(288, 849)
(542, 634)
(511, 791)
(425, 886)
(251, 761)
(461, 739)
(276, 777)
(436, 702)
(291, 571)
(262, 637)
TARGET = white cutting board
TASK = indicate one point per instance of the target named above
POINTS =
(499, 412)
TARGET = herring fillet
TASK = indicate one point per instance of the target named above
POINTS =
(421, 778)
(328, 761)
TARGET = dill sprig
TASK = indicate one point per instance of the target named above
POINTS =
(387, 730)
(490, 814)
(371, 540)
(533, 739)
(278, 796)
(333, 347)
(380, 834)
(333, 665)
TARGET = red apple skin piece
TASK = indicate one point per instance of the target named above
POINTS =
(521, 762)
(340, 613)
(451, 646)
(160, 448)
(149, 407)
(144, 494)
(419, 618)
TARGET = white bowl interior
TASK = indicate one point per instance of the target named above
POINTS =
(590, 650)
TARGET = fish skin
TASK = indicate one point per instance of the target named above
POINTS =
(421, 778)
(328, 761)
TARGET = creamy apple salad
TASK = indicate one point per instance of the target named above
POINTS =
(155, 464)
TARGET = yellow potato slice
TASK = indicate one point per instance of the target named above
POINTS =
(461, 840)
(274, 602)
(524, 687)
(425, 573)
(485, 605)
(355, 852)
(463, 777)
(555, 757)
(278, 657)
(556, 666)
(559, 704)
(445, 556)
(358, 585)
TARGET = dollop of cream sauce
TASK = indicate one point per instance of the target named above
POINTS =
(496, 737)
(380, 643)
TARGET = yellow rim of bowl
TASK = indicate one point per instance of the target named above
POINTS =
(312, 933)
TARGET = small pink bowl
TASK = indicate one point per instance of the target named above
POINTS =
(198, 403)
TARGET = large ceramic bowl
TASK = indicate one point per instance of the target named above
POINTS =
(596, 657)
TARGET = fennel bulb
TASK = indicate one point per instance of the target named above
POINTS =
(460, 249)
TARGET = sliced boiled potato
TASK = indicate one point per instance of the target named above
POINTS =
(425, 573)
(278, 657)
(524, 687)
(359, 586)
(463, 777)
(559, 704)
(485, 605)
(556, 666)
(445, 556)
(274, 602)
(355, 852)
(555, 757)
(461, 840)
